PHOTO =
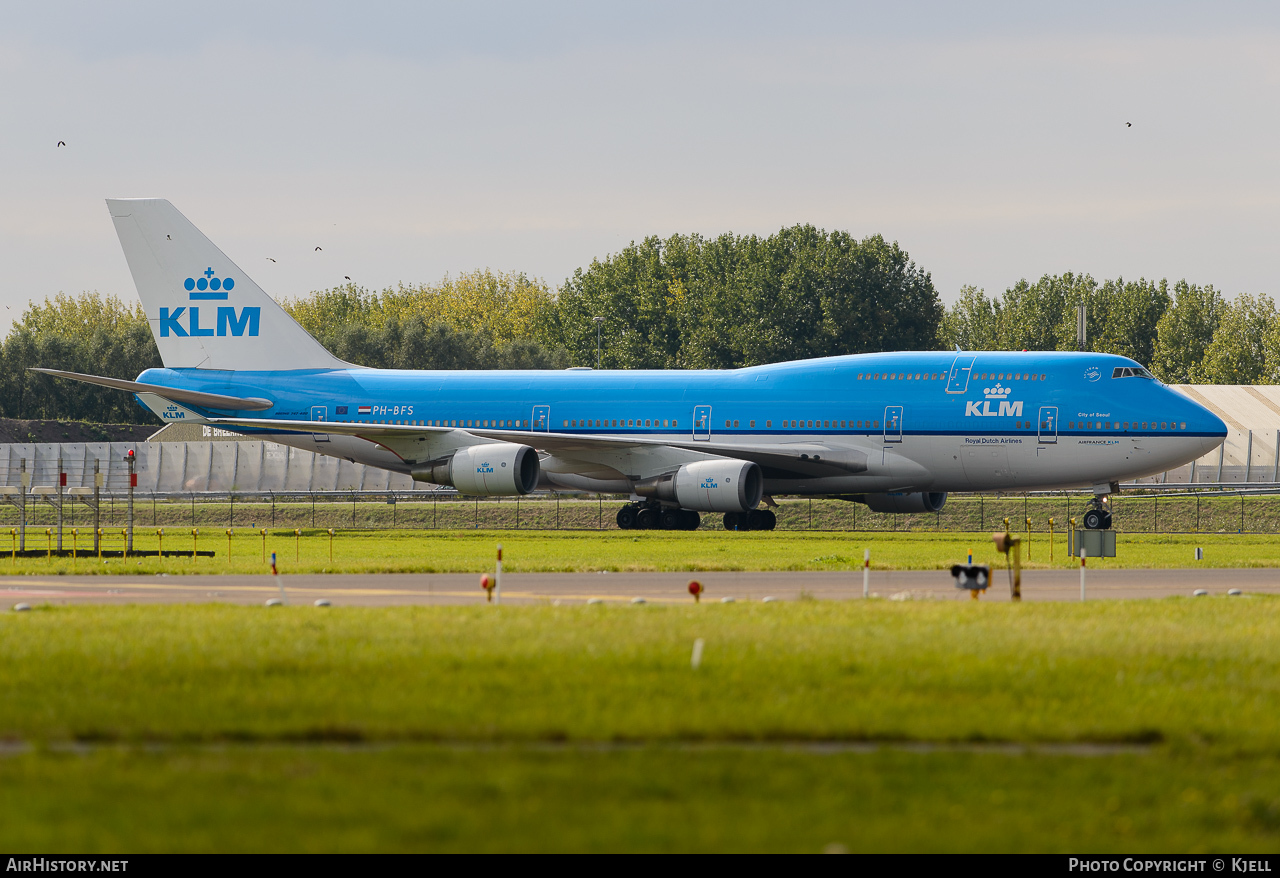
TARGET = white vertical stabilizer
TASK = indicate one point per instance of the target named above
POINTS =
(204, 311)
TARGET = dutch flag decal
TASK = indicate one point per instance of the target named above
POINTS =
(364, 409)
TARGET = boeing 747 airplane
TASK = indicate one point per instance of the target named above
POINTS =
(895, 431)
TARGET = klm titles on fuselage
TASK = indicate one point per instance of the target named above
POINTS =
(982, 408)
(227, 321)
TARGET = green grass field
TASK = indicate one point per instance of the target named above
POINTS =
(415, 551)
(1152, 726)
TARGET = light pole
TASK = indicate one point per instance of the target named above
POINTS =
(599, 322)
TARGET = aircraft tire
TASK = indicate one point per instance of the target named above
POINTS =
(1106, 520)
(647, 519)
(671, 519)
(689, 519)
(762, 519)
(734, 521)
(1093, 520)
(627, 517)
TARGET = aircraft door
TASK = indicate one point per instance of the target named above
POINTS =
(320, 413)
(1048, 424)
(958, 379)
(542, 418)
(893, 423)
(702, 423)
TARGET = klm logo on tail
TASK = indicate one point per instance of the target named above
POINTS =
(207, 287)
(219, 287)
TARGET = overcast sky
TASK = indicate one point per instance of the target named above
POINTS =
(411, 140)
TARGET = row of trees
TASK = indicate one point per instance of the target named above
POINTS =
(682, 302)
(86, 333)
(480, 320)
(1185, 333)
(687, 302)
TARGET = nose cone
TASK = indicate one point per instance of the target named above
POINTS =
(1203, 425)
(1215, 433)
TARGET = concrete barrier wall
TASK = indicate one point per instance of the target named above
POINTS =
(253, 466)
(196, 467)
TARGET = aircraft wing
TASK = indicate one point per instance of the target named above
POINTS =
(800, 459)
(786, 460)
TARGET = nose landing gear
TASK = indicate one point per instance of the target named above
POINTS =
(1098, 516)
(1097, 519)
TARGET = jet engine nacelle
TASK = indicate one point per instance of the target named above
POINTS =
(709, 486)
(497, 469)
(920, 502)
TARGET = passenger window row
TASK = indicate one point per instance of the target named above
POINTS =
(868, 424)
(903, 376)
(621, 422)
(1125, 425)
(828, 425)
(500, 423)
(942, 376)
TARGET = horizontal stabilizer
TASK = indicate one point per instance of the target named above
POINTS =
(192, 397)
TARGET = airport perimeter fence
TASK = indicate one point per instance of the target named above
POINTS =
(197, 484)
(1208, 512)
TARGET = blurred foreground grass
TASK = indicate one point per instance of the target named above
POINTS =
(437, 798)
(585, 728)
(1177, 670)
(567, 551)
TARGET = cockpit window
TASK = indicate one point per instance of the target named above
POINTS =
(1131, 372)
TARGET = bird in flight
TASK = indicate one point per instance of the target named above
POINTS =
(317, 249)
(62, 143)
(269, 259)
(1128, 124)
(347, 276)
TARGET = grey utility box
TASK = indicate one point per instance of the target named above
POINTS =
(1098, 543)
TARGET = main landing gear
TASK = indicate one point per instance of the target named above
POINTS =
(635, 516)
(639, 516)
(756, 519)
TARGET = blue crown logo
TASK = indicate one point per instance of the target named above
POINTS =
(218, 287)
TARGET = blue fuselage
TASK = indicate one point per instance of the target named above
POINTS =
(975, 420)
